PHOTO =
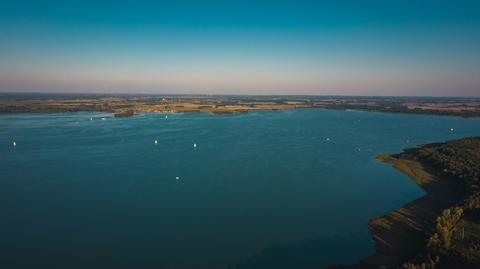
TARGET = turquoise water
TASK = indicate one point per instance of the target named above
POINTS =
(260, 190)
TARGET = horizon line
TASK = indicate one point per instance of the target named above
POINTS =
(229, 94)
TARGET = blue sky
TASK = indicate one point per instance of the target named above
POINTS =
(242, 47)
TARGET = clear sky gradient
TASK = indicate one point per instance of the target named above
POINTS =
(429, 48)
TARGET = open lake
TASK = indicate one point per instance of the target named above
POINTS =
(270, 189)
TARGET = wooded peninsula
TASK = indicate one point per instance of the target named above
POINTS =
(440, 230)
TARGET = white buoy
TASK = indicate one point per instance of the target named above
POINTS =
(451, 129)
(156, 142)
(194, 145)
(177, 178)
(14, 144)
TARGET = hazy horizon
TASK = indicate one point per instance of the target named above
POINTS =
(159, 93)
(399, 48)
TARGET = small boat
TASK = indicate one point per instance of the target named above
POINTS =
(194, 145)
(451, 129)
(14, 144)
(156, 142)
(177, 177)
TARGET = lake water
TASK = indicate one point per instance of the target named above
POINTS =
(271, 189)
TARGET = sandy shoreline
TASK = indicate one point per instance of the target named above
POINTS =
(401, 234)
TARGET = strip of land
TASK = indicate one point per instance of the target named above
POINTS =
(440, 230)
(123, 105)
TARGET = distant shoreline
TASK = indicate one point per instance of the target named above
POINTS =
(129, 105)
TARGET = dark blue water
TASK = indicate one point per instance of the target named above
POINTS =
(273, 189)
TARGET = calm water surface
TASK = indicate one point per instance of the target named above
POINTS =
(272, 189)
